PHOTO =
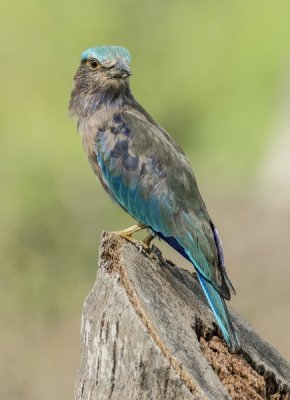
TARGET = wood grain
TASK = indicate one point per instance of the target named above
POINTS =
(147, 333)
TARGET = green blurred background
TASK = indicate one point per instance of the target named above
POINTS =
(216, 76)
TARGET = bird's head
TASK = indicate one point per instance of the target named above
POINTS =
(109, 62)
(101, 77)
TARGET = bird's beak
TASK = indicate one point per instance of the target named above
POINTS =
(120, 70)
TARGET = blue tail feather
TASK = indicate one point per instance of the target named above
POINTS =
(221, 313)
(215, 300)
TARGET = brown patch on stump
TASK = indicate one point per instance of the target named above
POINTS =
(240, 379)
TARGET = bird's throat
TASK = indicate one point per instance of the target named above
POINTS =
(86, 102)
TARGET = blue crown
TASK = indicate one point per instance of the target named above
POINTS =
(107, 53)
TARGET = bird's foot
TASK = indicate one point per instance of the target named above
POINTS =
(141, 245)
(127, 233)
(145, 243)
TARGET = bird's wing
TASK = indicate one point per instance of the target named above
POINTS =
(150, 177)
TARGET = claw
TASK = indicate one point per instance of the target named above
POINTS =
(147, 240)
(143, 244)
(127, 233)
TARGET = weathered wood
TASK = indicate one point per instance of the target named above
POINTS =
(147, 333)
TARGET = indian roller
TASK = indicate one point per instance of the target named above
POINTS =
(146, 173)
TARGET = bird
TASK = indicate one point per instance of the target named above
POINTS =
(147, 173)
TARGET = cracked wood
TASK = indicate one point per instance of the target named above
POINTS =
(147, 333)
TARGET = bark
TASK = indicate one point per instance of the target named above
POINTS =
(147, 333)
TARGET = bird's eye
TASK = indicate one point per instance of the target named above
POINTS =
(93, 63)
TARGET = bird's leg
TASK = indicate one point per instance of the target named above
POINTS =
(147, 240)
(145, 243)
(127, 233)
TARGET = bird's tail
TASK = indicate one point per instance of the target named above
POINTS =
(221, 313)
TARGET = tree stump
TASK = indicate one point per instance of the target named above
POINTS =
(148, 333)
